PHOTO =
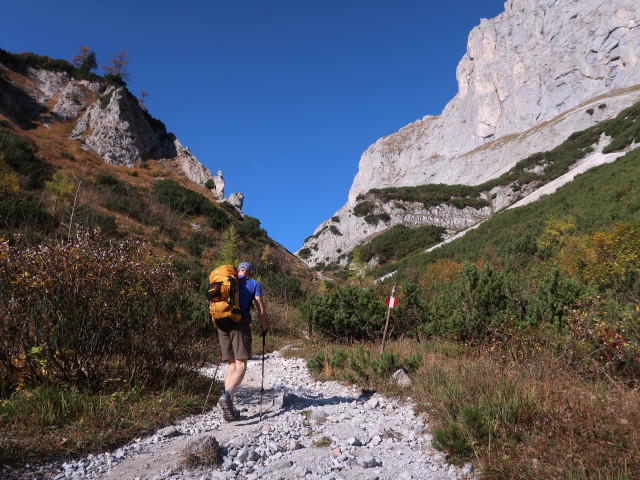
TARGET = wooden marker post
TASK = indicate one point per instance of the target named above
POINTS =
(391, 302)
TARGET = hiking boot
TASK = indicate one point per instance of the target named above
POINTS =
(226, 405)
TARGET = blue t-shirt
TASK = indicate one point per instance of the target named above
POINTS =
(249, 289)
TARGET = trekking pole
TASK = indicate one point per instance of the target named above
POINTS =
(264, 337)
(212, 382)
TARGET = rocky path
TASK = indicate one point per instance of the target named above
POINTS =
(309, 430)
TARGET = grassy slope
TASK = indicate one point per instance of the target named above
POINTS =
(597, 199)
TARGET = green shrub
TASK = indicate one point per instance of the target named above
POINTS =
(399, 241)
(111, 182)
(432, 195)
(250, 228)
(84, 70)
(217, 218)
(451, 439)
(333, 229)
(114, 80)
(132, 207)
(19, 61)
(24, 214)
(20, 156)
(411, 313)
(227, 207)
(315, 365)
(323, 442)
(181, 199)
(371, 219)
(361, 365)
(470, 307)
(362, 209)
(283, 285)
(346, 313)
(554, 296)
(625, 129)
(197, 242)
(105, 99)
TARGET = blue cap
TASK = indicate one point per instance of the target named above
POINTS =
(246, 265)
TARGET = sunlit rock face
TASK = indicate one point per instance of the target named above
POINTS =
(525, 83)
(108, 121)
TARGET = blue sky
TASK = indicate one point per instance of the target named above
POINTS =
(283, 96)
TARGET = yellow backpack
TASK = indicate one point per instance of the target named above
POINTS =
(223, 295)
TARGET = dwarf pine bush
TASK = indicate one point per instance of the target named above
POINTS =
(347, 313)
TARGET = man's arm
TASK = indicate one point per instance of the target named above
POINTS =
(262, 313)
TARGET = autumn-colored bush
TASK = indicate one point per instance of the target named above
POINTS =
(89, 314)
(610, 260)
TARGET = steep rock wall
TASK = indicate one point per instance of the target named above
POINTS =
(537, 60)
(531, 76)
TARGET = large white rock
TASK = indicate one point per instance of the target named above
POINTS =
(69, 96)
(109, 121)
(116, 128)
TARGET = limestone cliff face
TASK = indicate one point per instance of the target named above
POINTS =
(535, 61)
(117, 129)
(108, 120)
(524, 85)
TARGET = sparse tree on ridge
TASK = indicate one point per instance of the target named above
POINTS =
(143, 95)
(117, 66)
(80, 58)
(85, 62)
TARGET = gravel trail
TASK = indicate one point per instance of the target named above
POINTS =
(309, 430)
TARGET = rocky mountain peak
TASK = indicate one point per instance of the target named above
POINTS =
(524, 84)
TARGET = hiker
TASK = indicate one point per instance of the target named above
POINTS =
(235, 340)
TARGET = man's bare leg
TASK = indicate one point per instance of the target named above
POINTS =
(235, 375)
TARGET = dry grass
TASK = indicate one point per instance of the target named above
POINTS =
(41, 424)
(545, 423)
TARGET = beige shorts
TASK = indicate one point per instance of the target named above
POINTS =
(235, 342)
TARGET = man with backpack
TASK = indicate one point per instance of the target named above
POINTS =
(235, 338)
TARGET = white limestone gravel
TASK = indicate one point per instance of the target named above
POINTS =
(308, 430)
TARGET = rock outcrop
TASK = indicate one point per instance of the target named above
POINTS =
(109, 121)
(117, 129)
(69, 97)
(531, 76)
